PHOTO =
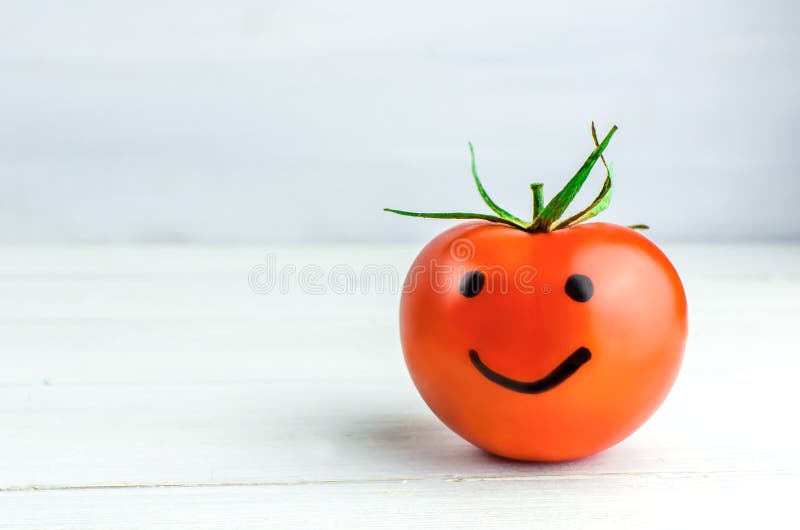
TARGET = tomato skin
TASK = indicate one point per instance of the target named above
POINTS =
(634, 324)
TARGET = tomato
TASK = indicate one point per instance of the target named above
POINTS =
(543, 340)
(543, 346)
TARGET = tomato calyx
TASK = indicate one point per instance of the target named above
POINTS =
(546, 218)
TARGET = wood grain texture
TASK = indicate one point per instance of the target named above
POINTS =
(151, 388)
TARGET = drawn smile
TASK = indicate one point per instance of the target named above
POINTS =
(559, 374)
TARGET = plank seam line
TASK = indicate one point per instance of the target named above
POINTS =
(400, 480)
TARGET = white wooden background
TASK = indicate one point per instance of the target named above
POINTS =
(148, 387)
(182, 120)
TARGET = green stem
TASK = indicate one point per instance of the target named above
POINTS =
(559, 203)
(538, 199)
(546, 217)
(600, 202)
(485, 196)
(457, 215)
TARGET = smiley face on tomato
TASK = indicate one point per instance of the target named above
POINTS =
(546, 340)
(543, 346)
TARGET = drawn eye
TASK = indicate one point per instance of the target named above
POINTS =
(472, 283)
(579, 287)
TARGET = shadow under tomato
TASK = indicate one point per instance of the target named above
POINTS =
(425, 445)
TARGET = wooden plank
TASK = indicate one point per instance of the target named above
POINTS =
(132, 393)
(285, 431)
(662, 501)
(207, 350)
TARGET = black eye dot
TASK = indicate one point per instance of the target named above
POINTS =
(472, 283)
(579, 287)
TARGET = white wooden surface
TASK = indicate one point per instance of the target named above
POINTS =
(149, 387)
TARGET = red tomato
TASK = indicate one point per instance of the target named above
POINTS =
(543, 346)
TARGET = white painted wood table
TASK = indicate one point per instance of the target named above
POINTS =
(150, 387)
